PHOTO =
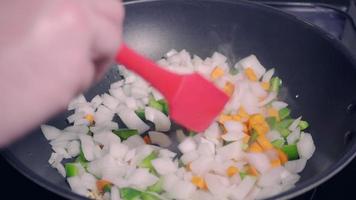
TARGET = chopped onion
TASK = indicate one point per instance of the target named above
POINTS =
(161, 121)
(60, 169)
(242, 189)
(279, 105)
(89, 181)
(268, 75)
(105, 126)
(273, 135)
(268, 99)
(73, 148)
(134, 141)
(131, 120)
(233, 126)
(50, 132)
(189, 157)
(296, 166)
(233, 136)
(295, 124)
(118, 93)
(257, 89)
(294, 136)
(114, 194)
(76, 185)
(87, 147)
(252, 62)
(187, 145)
(76, 102)
(181, 190)
(110, 102)
(139, 92)
(306, 146)
(103, 115)
(260, 161)
(165, 153)
(160, 139)
(77, 129)
(217, 185)
(213, 131)
(231, 151)
(201, 165)
(118, 150)
(164, 166)
(272, 177)
(96, 101)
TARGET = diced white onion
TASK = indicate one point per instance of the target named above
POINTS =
(161, 121)
(131, 120)
(306, 146)
(160, 139)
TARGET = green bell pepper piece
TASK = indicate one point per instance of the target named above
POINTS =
(303, 125)
(164, 104)
(71, 169)
(291, 151)
(157, 187)
(147, 161)
(275, 84)
(125, 133)
(149, 196)
(284, 113)
(130, 194)
(278, 143)
(243, 175)
(140, 113)
(271, 121)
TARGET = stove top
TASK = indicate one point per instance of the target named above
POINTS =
(331, 16)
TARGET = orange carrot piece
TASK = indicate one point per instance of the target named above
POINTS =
(100, 184)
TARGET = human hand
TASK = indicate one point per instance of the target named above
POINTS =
(49, 52)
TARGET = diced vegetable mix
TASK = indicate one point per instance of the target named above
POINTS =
(255, 137)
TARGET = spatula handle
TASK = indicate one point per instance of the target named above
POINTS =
(163, 80)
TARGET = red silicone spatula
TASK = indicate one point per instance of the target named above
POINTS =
(193, 101)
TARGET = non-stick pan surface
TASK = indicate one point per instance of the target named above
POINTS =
(319, 76)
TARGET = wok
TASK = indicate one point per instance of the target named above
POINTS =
(318, 75)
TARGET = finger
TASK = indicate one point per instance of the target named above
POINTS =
(106, 42)
(113, 10)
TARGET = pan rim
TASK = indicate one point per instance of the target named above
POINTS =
(293, 192)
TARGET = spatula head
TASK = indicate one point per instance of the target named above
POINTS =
(196, 103)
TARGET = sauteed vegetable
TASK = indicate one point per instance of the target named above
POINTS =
(254, 149)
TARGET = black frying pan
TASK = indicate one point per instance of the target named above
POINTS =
(318, 73)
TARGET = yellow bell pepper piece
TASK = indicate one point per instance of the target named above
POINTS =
(265, 85)
(216, 73)
(89, 118)
(276, 163)
(264, 143)
(231, 171)
(272, 112)
(223, 118)
(199, 182)
(250, 74)
(229, 88)
(255, 148)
